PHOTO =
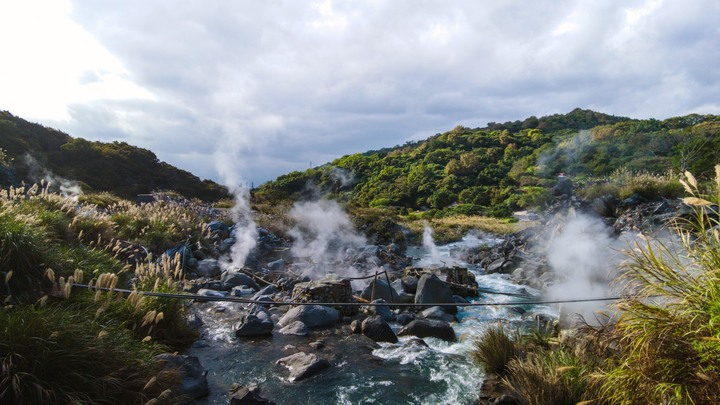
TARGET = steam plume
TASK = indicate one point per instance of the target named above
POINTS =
(68, 188)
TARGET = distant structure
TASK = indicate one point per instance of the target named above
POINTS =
(144, 199)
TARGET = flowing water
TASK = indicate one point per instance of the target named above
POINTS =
(402, 373)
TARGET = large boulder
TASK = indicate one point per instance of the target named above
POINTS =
(314, 316)
(378, 330)
(231, 278)
(296, 328)
(303, 365)
(380, 289)
(428, 328)
(432, 290)
(437, 313)
(209, 268)
(193, 382)
(251, 325)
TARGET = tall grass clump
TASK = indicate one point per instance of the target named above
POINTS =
(547, 377)
(669, 334)
(59, 355)
(494, 350)
(22, 252)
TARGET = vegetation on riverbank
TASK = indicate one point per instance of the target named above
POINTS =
(65, 345)
(661, 346)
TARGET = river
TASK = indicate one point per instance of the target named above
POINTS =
(401, 373)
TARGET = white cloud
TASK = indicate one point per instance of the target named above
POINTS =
(284, 83)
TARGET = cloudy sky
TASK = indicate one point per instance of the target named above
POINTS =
(241, 89)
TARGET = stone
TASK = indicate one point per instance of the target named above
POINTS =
(378, 330)
(404, 318)
(249, 395)
(314, 316)
(276, 265)
(356, 326)
(193, 382)
(428, 328)
(251, 325)
(409, 284)
(303, 365)
(231, 278)
(431, 290)
(266, 291)
(383, 290)
(326, 290)
(242, 291)
(206, 292)
(297, 328)
(382, 310)
(436, 313)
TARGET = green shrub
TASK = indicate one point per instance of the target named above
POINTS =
(22, 252)
(59, 355)
(494, 350)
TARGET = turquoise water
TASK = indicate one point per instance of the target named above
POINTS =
(401, 373)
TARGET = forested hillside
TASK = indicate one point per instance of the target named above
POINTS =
(509, 166)
(32, 151)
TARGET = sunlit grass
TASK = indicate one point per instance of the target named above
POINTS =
(453, 228)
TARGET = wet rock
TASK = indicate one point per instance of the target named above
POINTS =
(193, 381)
(409, 284)
(431, 290)
(404, 318)
(314, 316)
(436, 313)
(378, 330)
(417, 342)
(382, 310)
(428, 328)
(317, 345)
(231, 278)
(249, 395)
(303, 365)
(297, 328)
(382, 290)
(276, 265)
(251, 325)
(460, 300)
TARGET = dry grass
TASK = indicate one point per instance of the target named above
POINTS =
(494, 350)
(453, 228)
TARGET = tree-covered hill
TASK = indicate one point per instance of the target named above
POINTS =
(508, 166)
(31, 150)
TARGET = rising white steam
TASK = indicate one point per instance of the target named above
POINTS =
(430, 246)
(245, 230)
(323, 236)
(583, 258)
(68, 188)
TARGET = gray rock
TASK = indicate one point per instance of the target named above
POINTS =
(459, 300)
(297, 328)
(383, 290)
(382, 310)
(398, 286)
(194, 384)
(231, 278)
(410, 284)
(206, 292)
(404, 318)
(436, 313)
(242, 291)
(428, 328)
(356, 326)
(378, 330)
(314, 316)
(276, 265)
(267, 290)
(251, 325)
(249, 395)
(303, 365)
(432, 290)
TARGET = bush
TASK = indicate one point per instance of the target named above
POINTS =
(22, 252)
(59, 355)
(494, 350)
(669, 346)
